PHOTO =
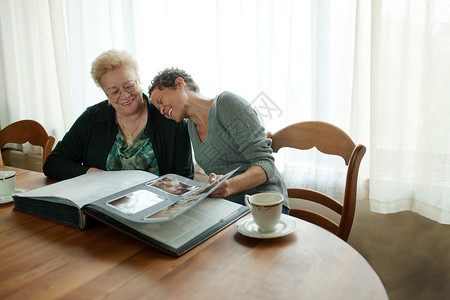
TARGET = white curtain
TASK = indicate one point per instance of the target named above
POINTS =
(410, 108)
(377, 69)
(34, 74)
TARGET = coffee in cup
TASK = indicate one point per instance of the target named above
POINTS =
(7, 183)
(266, 209)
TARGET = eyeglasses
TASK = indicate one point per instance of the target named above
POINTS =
(128, 88)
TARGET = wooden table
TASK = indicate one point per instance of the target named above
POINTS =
(42, 259)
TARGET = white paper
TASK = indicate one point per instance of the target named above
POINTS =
(81, 191)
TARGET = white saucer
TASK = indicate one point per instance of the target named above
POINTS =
(7, 199)
(248, 227)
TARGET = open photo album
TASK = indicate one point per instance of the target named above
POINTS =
(151, 208)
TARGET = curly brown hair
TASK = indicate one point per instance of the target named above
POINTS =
(166, 78)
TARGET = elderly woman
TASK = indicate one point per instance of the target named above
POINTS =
(225, 133)
(123, 132)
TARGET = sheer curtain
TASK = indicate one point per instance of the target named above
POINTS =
(34, 74)
(376, 69)
(410, 108)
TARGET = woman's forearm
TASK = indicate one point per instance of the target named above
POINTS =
(254, 176)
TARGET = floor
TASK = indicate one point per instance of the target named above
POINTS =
(13, 157)
(410, 253)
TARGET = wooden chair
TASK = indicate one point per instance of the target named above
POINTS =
(328, 139)
(27, 131)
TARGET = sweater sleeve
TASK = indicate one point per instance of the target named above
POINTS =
(65, 161)
(241, 122)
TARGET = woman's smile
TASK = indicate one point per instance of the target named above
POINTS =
(167, 111)
(128, 103)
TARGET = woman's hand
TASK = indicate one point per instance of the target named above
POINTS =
(224, 190)
(93, 170)
(254, 176)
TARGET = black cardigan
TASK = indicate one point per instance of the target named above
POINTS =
(89, 141)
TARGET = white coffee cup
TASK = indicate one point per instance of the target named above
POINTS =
(266, 209)
(7, 183)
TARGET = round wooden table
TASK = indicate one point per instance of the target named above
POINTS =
(42, 259)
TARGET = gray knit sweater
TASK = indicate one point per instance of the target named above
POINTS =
(236, 138)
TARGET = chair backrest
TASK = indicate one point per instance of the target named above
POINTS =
(328, 139)
(27, 131)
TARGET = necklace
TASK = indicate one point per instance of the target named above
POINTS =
(130, 135)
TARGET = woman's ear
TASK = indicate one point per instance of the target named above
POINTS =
(179, 82)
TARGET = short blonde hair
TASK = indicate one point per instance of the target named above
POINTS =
(109, 61)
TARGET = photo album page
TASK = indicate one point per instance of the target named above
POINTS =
(160, 199)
